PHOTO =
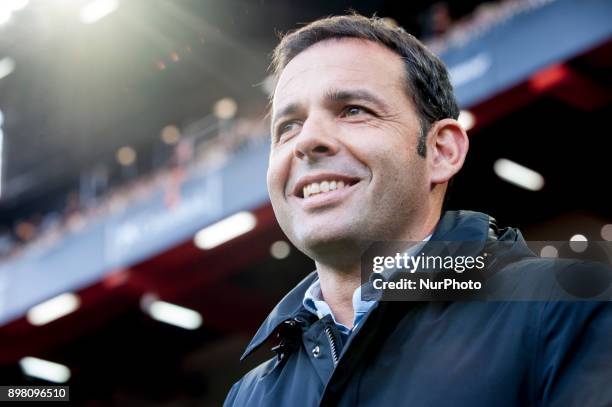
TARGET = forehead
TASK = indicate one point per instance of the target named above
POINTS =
(340, 63)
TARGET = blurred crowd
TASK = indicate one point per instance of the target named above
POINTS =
(442, 31)
(190, 154)
(439, 30)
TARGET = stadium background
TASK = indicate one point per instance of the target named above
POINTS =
(138, 249)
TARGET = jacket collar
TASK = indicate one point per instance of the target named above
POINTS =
(463, 225)
(453, 225)
(289, 307)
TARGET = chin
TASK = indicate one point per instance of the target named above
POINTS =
(329, 242)
(322, 235)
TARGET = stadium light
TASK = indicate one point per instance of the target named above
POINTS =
(225, 108)
(518, 175)
(126, 156)
(53, 309)
(606, 232)
(1, 154)
(174, 314)
(225, 230)
(97, 9)
(7, 64)
(466, 119)
(578, 243)
(549, 251)
(170, 134)
(5, 14)
(280, 250)
(15, 5)
(43, 369)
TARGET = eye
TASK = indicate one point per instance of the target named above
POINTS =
(354, 110)
(285, 127)
(284, 130)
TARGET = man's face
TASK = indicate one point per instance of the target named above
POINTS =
(343, 164)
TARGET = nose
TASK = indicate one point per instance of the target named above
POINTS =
(315, 141)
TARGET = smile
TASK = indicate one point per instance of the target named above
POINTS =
(321, 194)
(319, 190)
(322, 187)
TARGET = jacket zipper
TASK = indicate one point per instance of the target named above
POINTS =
(332, 345)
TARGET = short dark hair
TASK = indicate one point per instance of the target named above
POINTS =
(428, 84)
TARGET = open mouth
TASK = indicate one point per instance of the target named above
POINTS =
(325, 186)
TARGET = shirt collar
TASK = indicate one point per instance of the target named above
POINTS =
(313, 301)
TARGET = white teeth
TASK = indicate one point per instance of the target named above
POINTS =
(324, 186)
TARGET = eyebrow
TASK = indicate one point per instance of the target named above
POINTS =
(334, 96)
(288, 110)
(340, 95)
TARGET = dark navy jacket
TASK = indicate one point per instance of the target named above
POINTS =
(438, 353)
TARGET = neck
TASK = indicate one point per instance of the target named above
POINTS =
(339, 279)
(337, 288)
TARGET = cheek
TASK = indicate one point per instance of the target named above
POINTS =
(397, 170)
(378, 141)
(277, 176)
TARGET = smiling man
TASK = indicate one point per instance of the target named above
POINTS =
(364, 143)
(347, 165)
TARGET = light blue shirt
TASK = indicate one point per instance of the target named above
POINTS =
(313, 301)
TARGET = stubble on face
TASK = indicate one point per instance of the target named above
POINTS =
(376, 145)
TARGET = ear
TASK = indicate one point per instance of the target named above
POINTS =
(448, 146)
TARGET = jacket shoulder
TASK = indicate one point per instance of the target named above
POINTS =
(534, 278)
(246, 391)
